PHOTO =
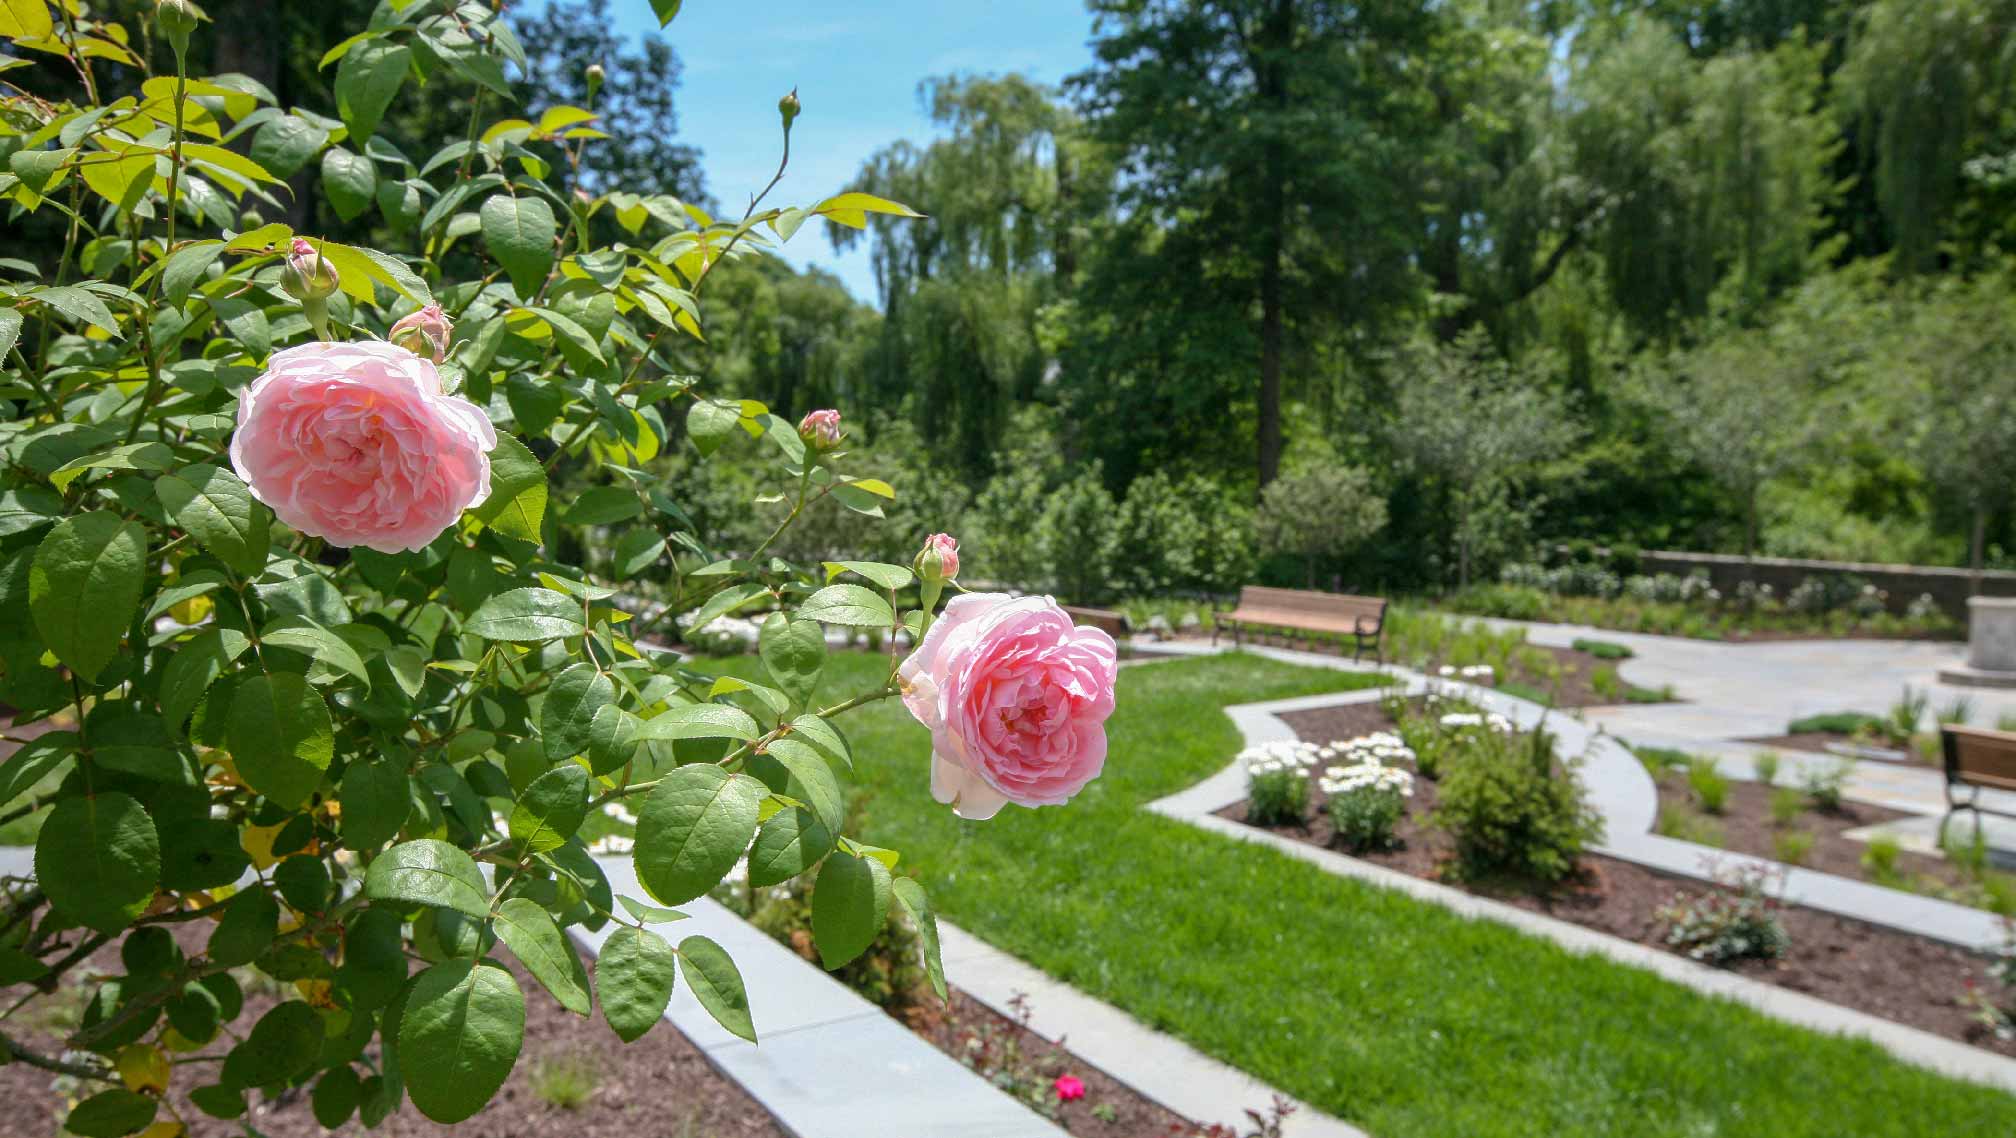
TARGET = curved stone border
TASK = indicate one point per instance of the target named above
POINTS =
(1622, 789)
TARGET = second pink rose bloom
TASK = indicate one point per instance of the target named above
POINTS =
(1016, 698)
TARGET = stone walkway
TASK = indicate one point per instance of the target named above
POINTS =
(1620, 796)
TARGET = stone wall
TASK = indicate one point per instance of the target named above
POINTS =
(1903, 583)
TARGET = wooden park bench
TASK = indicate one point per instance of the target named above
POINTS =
(1302, 610)
(1976, 759)
(1113, 624)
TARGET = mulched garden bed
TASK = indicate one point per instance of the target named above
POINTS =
(1908, 979)
(660, 1084)
(1815, 742)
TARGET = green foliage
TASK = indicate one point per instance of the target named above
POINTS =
(1765, 764)
(1278, 797)
(1603, 649)
(1514, 810)
(1364, 819)
(1710, 785)
(1786, 805)
(377, 772)
(1736, 920)
(1792, 846)
(1823, 783)
(567, 1082)
(1319, 512)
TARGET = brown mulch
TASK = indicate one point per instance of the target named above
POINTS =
(1884, 972)
(971, 1030)
(659, 1085)
(1816, 742)
(1747, 827)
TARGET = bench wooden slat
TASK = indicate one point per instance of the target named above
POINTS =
(1304, 610)
(1976, 758)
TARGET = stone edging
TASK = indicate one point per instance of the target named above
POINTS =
(1610, 786)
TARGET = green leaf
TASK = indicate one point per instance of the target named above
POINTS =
(850, 901)
(28, 507)
(649, 914)
(247, 927)
(794, 651)
(849, 605)
(530, 931)
(517, 502)
(852, 209)
(717, 984)
(110, 1114)
(304, 635)
(812, 781)
(791, 842)
(10, 330)
(194, 667)
(710, 422)
(569, 711)
(917, 906)
(78, 305)
(367, 80)
(723, 603)
(634, 976)
(284, 1043)
(427, 871)
(666, 10)
(99, 859)
(374, 958)
(551, 809)
(187, 267)
(527, 615)
(285, 144)
(126, 737)
(459, 1035)
(349, 180)
(376, 798)
(217, 508)
(692, 829)
(887, 576)
(83, 587)
(824, 736)
(699, 721)
(280, 736)
(519, 232)
(601, 505)
(637, 551)
(132, 456)
(32, 763)
(335, 1097)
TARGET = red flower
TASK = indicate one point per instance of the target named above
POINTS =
(1069, 1089)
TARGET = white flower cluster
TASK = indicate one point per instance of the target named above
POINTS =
(1493, 721)
(1283, 755)
(1370, 766)
(1475, 673)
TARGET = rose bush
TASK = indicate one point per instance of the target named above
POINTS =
(305, 677)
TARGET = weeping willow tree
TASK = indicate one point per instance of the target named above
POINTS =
(961, 291)
(1925, 87)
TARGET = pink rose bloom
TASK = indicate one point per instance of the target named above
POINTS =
(355, 443)
(946, 548)
(1069, 1088)
(424, 333)
(1016, 698)
(820, 428)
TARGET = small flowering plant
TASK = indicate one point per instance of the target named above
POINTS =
(1366, 794)
(295, 659)
(1277, 780)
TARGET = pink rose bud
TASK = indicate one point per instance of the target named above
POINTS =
(939, 560)
(1069, 1088)
(355, 443)
(307, 275)
(820, 429)
(424, 333)
(1016, 697)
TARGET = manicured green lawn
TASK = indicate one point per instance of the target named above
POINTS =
(1389, 1012)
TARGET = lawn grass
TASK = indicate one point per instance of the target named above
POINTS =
(1390, 1012)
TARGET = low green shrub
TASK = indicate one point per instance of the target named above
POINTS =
(1604, 679)
(1660, 760)
(1766, 766)
(1515, 811)
(1635, 694)
(1786, 805)
(1879, 860)
(1366, 815)
(1682, 824)
(1710, 786)
(1604, 649)
(1736, 920)
(1792, 846)
(567, 1082)
(1823, 783)
(1836, 723)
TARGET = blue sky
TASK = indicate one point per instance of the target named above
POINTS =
(856, 66)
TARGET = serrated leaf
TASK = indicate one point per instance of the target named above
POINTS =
(376, 798)
(217, 508)
(304, 635)
(692, 829)
(427, 871)
(917, 906)
(280, 735)
(790, 842)
(527, 615)
(634, 975)
(794, 652)
(570, 707)
(699, 721)
(83, 587)
(519, 232)
(367, 80)
(551, 809)
(530, 932)
(848, 605)
(460, 1033)
(349, 181)
(98, 859)
(649, 914)
(517, 502)
(850, 902)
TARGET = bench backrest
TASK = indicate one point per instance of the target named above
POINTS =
(1111, 623)
(1980, 757)
(1257, 598)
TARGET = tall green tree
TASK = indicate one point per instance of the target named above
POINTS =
(1261, 146)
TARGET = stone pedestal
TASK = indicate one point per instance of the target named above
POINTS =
(1991, 645)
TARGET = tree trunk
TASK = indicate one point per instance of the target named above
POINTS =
(1974, 555)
